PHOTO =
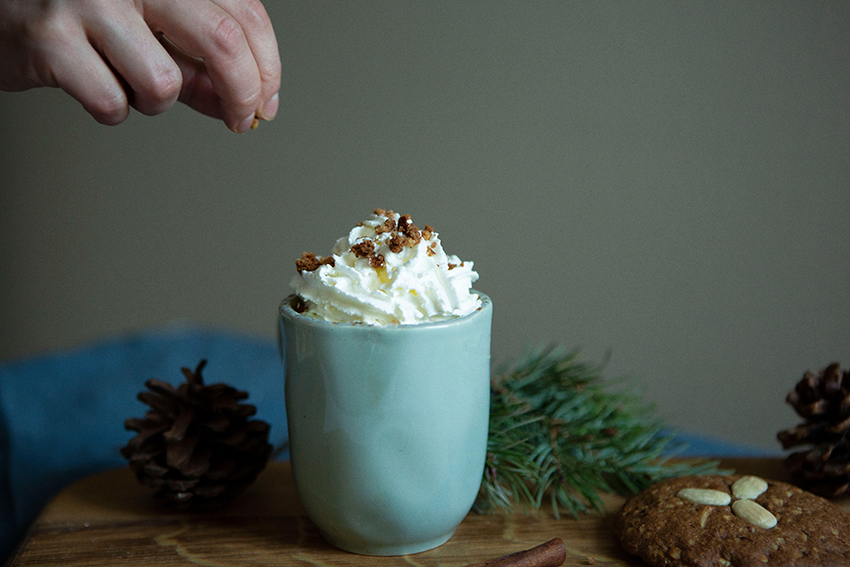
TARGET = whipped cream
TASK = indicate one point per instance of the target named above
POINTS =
(386, 271)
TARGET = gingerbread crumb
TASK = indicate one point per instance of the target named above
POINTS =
(307, 261)
(363, 249)
(403, 222)
(410, 230)
(396, 243)
(388, 226)
(400, 234)
(376, 261)
(452, 266)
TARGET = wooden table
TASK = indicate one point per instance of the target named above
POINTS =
(109, 519)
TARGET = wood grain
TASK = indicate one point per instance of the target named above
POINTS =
(109, 519)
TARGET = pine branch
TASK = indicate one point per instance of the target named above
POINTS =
(560, 435)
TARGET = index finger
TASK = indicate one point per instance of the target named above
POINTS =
(263, 44)
(203, 29)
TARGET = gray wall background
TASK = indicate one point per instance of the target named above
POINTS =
(670, 181)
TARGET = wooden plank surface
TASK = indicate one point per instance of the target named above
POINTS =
(109, 519)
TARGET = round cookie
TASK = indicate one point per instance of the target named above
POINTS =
(667, 527)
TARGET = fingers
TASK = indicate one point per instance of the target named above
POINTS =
(153, 78)
(198, 91)
(46, 44)
(72, 64)
(85, 76)
(236, 42)
(103, 55)
(261, 40)
(222, 58)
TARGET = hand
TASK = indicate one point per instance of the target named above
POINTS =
(220, 57)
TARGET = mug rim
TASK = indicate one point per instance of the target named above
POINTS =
(288, 312)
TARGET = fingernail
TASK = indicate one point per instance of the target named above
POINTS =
(246, 124)
(270, 109)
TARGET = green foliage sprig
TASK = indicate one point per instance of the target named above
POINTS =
(558, 431)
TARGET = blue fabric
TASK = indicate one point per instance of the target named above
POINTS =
(702, 446)
(62, 415)
(8, 526)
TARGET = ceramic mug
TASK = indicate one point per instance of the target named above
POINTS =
(387, 426)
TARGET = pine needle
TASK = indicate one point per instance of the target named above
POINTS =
(560, 435)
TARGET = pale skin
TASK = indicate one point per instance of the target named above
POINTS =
(219, 57)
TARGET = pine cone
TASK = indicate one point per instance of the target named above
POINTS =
(196, 446)
(824, 402)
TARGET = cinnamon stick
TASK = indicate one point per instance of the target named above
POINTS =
(550, 554)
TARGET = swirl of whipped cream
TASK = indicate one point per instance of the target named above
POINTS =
(386, 271)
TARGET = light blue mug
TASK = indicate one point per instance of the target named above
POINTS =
(387, 426)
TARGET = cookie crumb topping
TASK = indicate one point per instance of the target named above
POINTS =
(387, 271)
(363, 249)
(388, 226)
(396, 243)
(376, 261)
(400, 235)
(409, 230)
(309, 262)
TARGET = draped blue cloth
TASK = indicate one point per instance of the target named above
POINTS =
(62, 413)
